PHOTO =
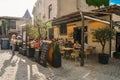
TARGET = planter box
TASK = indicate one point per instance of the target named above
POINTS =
(20, 50)
(30, 52)
(37, 55)
(103, 58)
(116, 55)
(23, 51)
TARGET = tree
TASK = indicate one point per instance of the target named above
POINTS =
(32, 31)
(38, 24)
(103, 35)
(97, 3)
(42, 27)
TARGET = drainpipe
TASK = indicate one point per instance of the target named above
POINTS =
(111, 24)
(6, 28)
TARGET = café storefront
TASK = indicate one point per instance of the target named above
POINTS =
(73, 24)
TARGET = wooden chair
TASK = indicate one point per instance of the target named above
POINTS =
(87, 52)
(75, 54)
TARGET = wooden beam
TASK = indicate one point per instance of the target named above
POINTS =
(97, 13)
(95, 19)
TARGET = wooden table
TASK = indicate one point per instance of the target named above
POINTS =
(67, 52)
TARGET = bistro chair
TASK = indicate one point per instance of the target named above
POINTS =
(87, 52)
(75, 54)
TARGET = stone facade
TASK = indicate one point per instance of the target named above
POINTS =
(41, 9)
(59, 8)
(11, 25)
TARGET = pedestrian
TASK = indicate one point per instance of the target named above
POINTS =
(13, 44)
(36, 44)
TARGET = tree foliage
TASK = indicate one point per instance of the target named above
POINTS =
(42, 27)
(97, 3)
(32, 31)
(103, 35)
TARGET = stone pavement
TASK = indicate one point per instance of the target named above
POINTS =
(22, 68)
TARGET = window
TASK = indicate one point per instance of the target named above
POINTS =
(13, 24)
(50, 11)
(63, 29)
(51, 32)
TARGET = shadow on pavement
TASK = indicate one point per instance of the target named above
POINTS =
(4, 51)
(6, 64)
(21, 73)
(26, 70)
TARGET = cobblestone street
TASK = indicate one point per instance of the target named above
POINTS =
(22, 68)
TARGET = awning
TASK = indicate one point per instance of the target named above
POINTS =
(67, 19)
(94, 15)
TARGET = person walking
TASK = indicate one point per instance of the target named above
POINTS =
(13, 44)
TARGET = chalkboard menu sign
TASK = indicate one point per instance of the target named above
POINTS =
(44, 53)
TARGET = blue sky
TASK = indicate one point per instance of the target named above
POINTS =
(17, 8)
(115, 2)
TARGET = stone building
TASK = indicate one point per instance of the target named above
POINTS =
(67, 23)
(71, 26)
(47, 10)
(10, 25)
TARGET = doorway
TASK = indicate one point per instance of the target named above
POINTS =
(118, 42)
(77, 35)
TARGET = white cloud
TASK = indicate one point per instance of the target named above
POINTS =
(112, 3)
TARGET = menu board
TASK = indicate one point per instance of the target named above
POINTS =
(44, 53)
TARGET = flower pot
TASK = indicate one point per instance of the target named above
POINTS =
(103, 58)
(56, 59)
(56, 62)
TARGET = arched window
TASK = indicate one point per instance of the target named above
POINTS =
(50, 11)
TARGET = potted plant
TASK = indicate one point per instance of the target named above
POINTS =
(56, 59)
(102, 36)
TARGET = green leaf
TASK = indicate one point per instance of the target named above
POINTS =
(97, 3)
(104, 34)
